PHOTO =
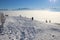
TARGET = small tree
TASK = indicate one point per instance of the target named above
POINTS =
(2, 18)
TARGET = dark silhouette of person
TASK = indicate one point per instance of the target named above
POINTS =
(46, 21)
(49, 21)
(32, 18)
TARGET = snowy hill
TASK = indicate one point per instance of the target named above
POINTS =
(22, 28)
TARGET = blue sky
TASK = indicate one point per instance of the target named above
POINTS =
(33, 4)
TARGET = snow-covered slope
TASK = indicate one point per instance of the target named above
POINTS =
(22, 28)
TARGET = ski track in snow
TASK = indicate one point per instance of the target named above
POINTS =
(22, 28)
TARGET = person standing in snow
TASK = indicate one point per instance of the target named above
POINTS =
(46, 21)
(49, 21)
(32, 18)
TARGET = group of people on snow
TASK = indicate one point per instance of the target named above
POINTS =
(48, 21)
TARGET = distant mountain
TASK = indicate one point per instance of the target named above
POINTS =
(22, 9)
(3, 9)
(51, 9)
(15, 9)
(55, 9)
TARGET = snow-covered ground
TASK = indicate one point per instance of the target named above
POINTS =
(22, 28)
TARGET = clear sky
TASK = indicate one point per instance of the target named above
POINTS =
(33, 4)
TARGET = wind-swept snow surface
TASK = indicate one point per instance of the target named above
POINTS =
(22, 28)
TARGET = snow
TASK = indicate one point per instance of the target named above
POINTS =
(22, 28)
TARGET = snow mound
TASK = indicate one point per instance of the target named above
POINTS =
(22, 28)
